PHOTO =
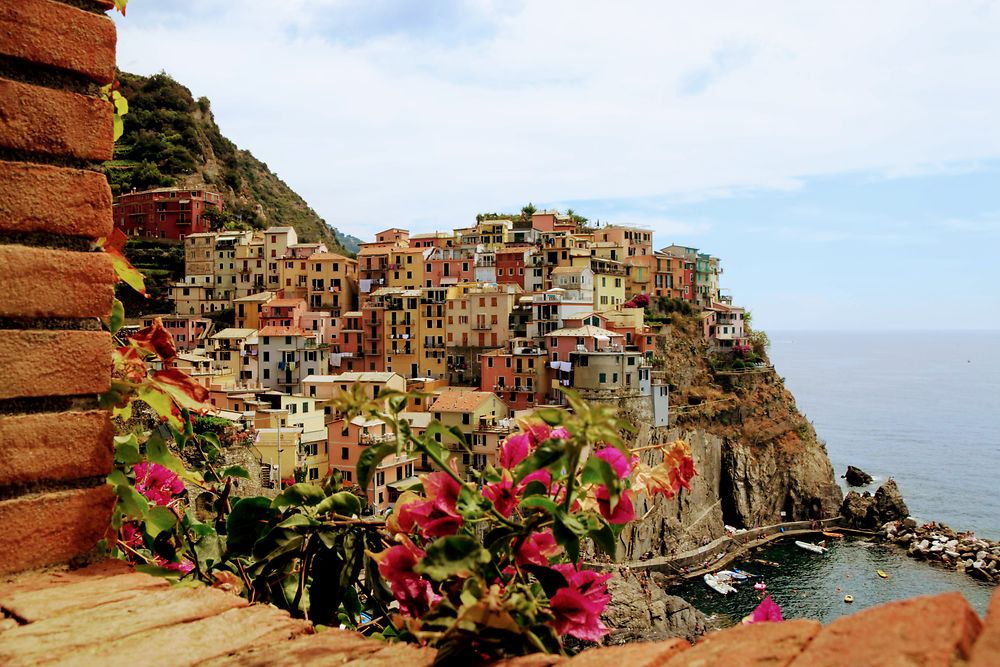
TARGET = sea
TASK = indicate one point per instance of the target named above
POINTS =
(922, 407)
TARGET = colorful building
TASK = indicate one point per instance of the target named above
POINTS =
(165, 213)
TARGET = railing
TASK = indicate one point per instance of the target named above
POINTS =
(376, 438)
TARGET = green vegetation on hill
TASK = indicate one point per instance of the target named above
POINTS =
(171, 139)
(162, 264)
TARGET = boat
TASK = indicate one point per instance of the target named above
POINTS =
(830, 533)
(848, 599)
(718, 585)
(766, 562)
(809, 546)
(736, 575)
(882, 574)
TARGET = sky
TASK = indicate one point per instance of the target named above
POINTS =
(841, 158)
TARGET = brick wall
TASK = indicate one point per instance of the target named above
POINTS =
(55, 130)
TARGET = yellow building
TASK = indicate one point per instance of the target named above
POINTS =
(481, 416)
(331, 282)
(251, 267)
(402, 330)
(433, 332)
(406, 267)
(609, 288)
(248, 309)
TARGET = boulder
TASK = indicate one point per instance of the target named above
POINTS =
(857, 477)
(858, 511)
(889, 505)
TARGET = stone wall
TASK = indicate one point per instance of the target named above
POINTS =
(55, 130)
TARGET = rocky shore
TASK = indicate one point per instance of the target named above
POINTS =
(886, 514)
(938, 543)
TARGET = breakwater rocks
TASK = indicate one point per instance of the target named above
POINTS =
(937, 542)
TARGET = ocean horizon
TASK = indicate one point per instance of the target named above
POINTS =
(921, 406)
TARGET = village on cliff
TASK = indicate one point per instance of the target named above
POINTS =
(485, 321)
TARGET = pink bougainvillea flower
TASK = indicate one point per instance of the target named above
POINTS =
(559, 433)
(623, 511)
(578, 607)
(537, 548)
(436, 516)
(502, 494)
(617, 460)
(514, 450)
(157, 483)
(767, 611)
(130, 535)
(543, 477)
(183, 567)
(413, 592)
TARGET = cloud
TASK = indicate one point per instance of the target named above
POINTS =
(379, 114)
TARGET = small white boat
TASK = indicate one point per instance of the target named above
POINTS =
(731, 574)
(808, 546)
(718, 585)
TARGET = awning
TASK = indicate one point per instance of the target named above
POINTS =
(404, 484)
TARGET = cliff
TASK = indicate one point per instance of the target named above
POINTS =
(755, 454)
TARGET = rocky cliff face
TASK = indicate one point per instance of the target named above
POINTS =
(756, 455)
(640, 611)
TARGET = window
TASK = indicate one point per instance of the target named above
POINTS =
(344, 453)
(602, 378)
(267, 374)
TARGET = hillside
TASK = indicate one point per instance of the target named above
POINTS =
(172, 139)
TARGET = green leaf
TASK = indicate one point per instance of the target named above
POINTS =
(127, 450)
(158, 452)
(547, 504)
(452, 556)
(121, 104)
(236, 471)
(117, 316)
(120, 6)
(369, 460)
(599, 471)
(545, 455)
(344, 503)
(131, 503)
(567, 539)
(160, 519)
(298, 521)
(298, 495)
(119, 129)
(247, 522)
(551, 580)
(551, 416)
(471, 503)
(605, 538)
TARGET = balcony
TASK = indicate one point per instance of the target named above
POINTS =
(482, 326)
(376, 438)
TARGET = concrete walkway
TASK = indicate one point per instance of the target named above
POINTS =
(723, 550)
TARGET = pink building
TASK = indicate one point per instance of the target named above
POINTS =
(347, 439)
(189, 331)
(519, 375)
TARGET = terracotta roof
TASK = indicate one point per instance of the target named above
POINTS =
(460, 400)
(284, 331)
(259, 296)
(330, 255)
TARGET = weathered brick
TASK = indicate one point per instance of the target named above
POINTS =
(644, 654)
(54, 122)
(42, 198)
(42, 282)
(52, 527)
(51, 33)
(771, 644)
(920, 632)
(54, 363)
(986, 652)
(55, 446)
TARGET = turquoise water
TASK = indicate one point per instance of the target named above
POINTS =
(808, 585)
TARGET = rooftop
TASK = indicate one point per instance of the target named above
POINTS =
(586, 331)
(284, 331)
(455, 399)
(231, 333)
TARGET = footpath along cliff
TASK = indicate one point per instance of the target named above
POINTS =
(757, 456)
